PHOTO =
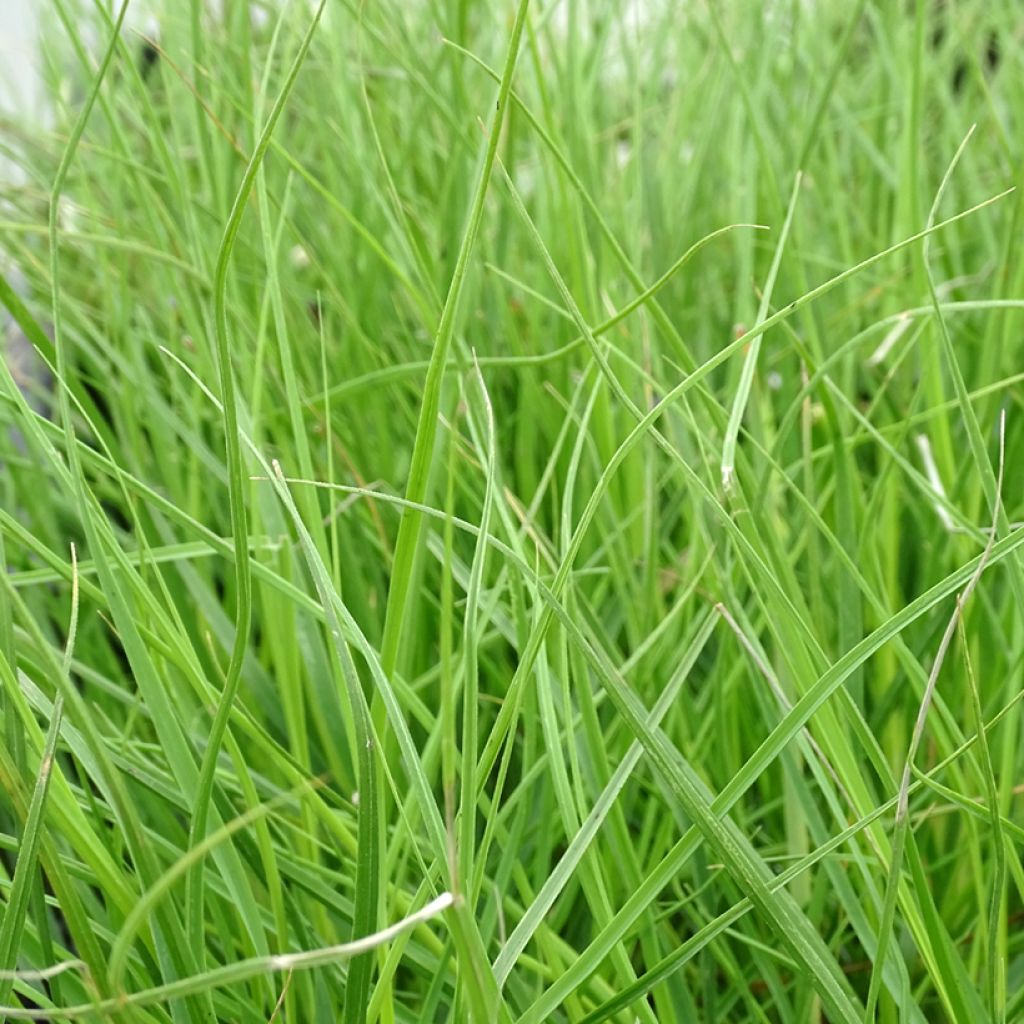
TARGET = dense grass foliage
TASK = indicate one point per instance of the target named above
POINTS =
(536, 470)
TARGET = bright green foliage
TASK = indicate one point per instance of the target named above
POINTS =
(522, 463)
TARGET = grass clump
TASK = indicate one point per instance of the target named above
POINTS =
(520, 520)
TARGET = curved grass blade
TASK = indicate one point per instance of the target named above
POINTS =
(236, 493)
(236, 973)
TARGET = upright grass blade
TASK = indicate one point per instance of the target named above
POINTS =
(739, 404)
(86, 503)
(467, 819)
(482, 990)
(237, 489)
(558, 878)
(902, 822)
(426, 427)
(742, 861)
(31, 837)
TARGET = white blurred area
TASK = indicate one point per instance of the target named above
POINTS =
(21, 62)
(24, 70)
(28, 76)
(21, 89)
(21, 59)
